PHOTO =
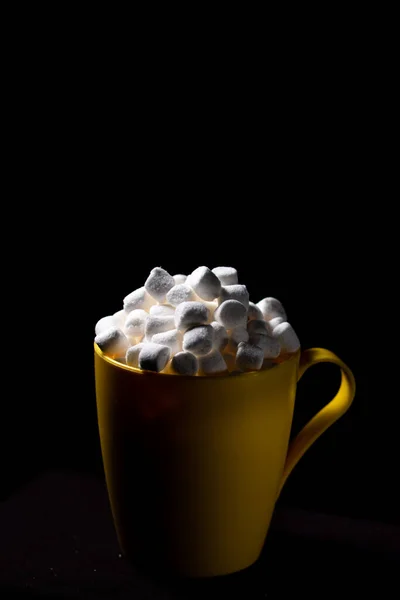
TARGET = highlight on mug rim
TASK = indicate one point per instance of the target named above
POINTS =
(137, 371)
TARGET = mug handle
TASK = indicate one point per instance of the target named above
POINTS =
(327, 415)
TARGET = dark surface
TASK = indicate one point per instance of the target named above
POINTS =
(58, 541)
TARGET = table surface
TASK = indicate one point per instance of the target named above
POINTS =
(57, 540)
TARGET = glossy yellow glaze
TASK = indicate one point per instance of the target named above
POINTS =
(194, 465)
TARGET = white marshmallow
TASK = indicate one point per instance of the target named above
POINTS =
(155, 325)
(274, 322)
(254, 312)
(249, 357)
(190, 314)
(184, 363)
(221, 337)
(133, 340)
(132, 355)
(286, 336)
(230, 314)
(138, 299)
(154, 357)
(212, 307)
(199, 340)
(271, 308)
(113, 342)
(259, 339)
(104, 324)
(180, 293)
(179, 278)
(269, 345)
(135, 322)
(239, 334)
(172, 339)
(212, 363)
(234, 292)
(158, 283)
(226, 275)
(162, 310)
(258, 326)
(206, 285)
(236, 335)
(119, 319)
(167, 369)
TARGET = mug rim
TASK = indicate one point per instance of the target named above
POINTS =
(142, 373)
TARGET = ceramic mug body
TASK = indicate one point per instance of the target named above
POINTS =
(194, 465)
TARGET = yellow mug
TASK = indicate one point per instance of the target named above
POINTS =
(194, 465)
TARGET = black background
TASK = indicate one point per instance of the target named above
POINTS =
(115, 177)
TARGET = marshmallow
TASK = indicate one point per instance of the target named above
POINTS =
(271, 308)
(230, 314)
(221, 337)
(212, 363)
(113, 342)
(249, 357)
(201, 315)
(155, 325)
(254, 312)
(167, 369)
(190, 314)
(258, 326)
(138, 299)
(199, 340)
(236, 335)
(132, 355)
(162, 310)
(158, 283)
(172, 339)
(104, 324)
(179, 278)
(269, 345)
(212, 306)
(184, 363)
(234, 292)
(180, 293)
(259, 339)
(119, 319)
(239, 334)
(135, 339)
(226, 275)
(135, 322)
(206, 285)
(274, 322)
(154, 357)
(286, 336)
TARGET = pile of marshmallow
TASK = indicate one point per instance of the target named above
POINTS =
(201, 324)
